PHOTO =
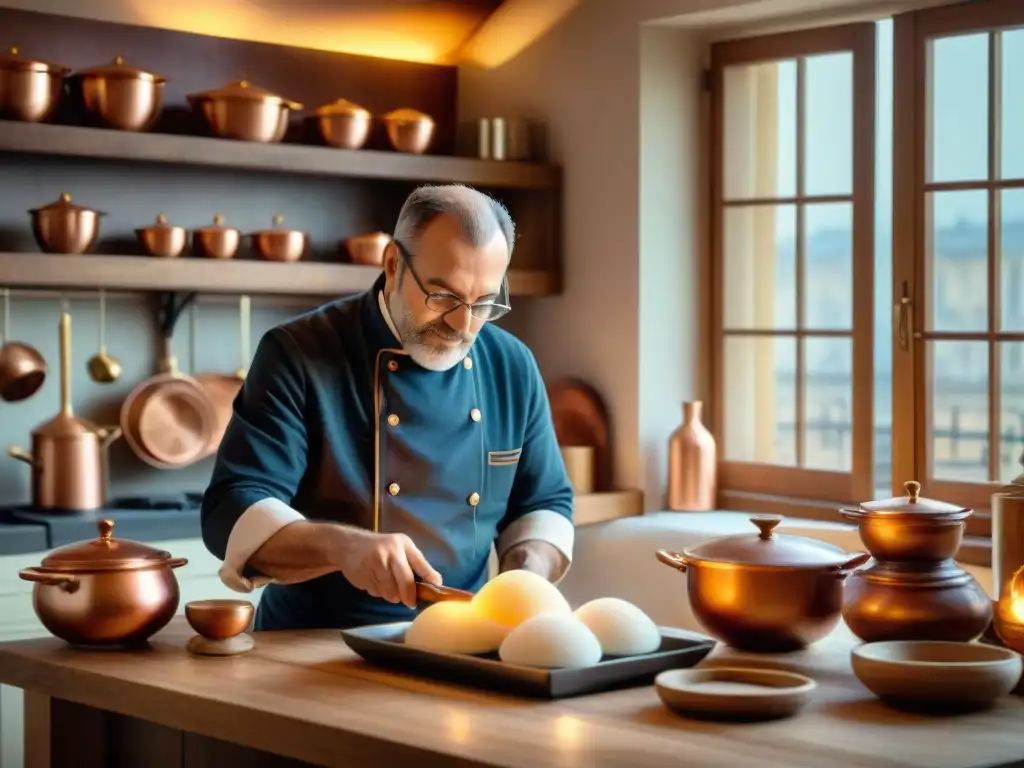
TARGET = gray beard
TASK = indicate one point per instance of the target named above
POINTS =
(416, 340)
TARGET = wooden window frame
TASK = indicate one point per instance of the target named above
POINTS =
(774, 488)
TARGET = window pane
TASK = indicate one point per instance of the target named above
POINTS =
(959, 400)
(828, 266)
(883, 260)
(957, 256)
(1012, 105)
(828, 124)
(759, 278)
(760, 399)
(958, 118)
(1011, 249)
(1011, 407)
(759, 123)
(828, 403)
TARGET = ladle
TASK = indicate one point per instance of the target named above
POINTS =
(103, 369)
(22, 368)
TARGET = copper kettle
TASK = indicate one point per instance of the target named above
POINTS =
(68, 457)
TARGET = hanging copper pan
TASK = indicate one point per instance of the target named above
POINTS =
(221, 388)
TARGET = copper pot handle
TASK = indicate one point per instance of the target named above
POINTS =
(108, 435)
(176, 562)
(66, 581)
(671, 559)
(21, 455)
(855, 515)
(851, 565)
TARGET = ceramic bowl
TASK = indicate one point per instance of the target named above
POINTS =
(733, 693)
(936, 676)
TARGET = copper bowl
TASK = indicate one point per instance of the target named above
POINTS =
(30, 90)
(219, 619)
(120, 96)
(343, 124)
(368, 249)
(161, 239)
(409, 130)
(244, 111)
(63, 227)
(280, 244)
(216, 241)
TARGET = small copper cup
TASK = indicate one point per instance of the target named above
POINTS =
(219, 619)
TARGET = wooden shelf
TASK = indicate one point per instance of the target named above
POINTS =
(75, 141)
(232, 276)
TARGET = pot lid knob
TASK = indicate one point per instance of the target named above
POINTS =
(278, 219)
(766, 525)
(218, 220)
(161, 219)
(913, 489)
(106, 527)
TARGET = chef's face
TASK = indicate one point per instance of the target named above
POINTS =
(448, 267)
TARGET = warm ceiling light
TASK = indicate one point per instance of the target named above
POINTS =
(513, 28)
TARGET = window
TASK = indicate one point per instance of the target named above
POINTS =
(868, 262)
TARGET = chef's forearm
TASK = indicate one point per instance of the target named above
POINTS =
(538, 556)
(301, 551)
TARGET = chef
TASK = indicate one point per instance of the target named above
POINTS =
(393, 436)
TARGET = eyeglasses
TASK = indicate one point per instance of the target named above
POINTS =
(444, 302)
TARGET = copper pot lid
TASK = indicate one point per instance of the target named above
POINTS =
(120, 69)
(371, 237)
(243, 90)
(217, 226)
(159, 224)
(768, 548)
(277, 229)
(67, 426)
(63, 204)
(407, 115)
(342, 107)
(12, 60)
(104, 554)
(923, 575)
(914, 505)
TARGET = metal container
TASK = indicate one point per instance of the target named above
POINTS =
(63, 227)
(162, 239)
(244, 111)
(30, 89)
(368, 250)
(483, 138)
(216, 241)
(1007, 535)
(279, 244)
(121, 96)
(764, 591)
(409, 130)
(105, 592)
(22, 368)
(343, 124)
(499, 138)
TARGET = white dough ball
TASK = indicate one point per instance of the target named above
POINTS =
(512, 597)
(454, 627)
(620, 627)
(552, 641)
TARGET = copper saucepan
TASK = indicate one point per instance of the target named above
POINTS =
(22, 368)
(221, 388)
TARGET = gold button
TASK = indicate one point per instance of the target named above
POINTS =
(474, 499)
(467, 363)
(393, 419)
(392, 365)
(475, 414)
(393, 489)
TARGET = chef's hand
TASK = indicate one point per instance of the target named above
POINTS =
(537, 556)
(386, 566)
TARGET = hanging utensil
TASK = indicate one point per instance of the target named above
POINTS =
(222, 389)
(103, 369)
(22, 368)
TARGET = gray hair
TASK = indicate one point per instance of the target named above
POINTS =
(480, 216)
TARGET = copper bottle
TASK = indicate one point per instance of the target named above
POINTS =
(692, 467)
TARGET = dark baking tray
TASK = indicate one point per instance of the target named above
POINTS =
(382, 644)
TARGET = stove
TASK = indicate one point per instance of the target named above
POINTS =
(143, 518)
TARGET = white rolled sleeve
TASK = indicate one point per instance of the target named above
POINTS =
(250, 532)
(540, 525)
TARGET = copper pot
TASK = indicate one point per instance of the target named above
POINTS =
(910, 528)
(409, 130)
(30, 89)
(217, 241)
(343, 124)
(244, 111)
(765, 592)
(22, 368)
(161, 239)
(63, 227)
(368, 249)
(279, 244)
(69, 454)
(121, 96)
(105, 592)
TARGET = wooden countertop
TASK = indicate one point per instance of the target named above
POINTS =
(305, 695)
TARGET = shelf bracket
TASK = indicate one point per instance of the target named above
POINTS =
(170, 307)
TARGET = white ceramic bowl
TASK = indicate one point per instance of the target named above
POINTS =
(936, 676)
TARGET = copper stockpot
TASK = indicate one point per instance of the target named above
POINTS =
(22, 368)
(63, 227)
(279, 244)
(121, 96)
(368, 249)
(910, 528)
(765, 592)
(343, 124)
(105, 592)
(409, 130)
(161, 239)
(216, 241)
(244, 111)
(30, 90)
(69, 454)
